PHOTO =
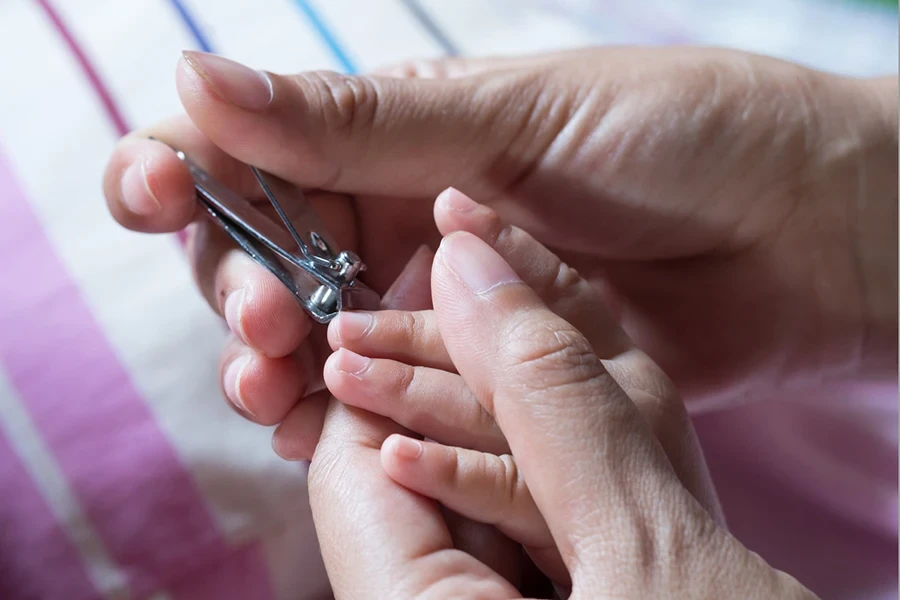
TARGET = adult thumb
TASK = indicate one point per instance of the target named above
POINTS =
(378, 135)
(578, 440)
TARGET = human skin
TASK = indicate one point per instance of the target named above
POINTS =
(740, 211)
(604, 505)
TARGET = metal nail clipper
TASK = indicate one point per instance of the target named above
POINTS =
(321, 277)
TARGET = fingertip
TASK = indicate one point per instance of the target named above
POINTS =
(263, 388)
(189, 84)
(333, 334)
(455, 211)
(168, 180)
(148, 188)
(258, 308)
(232, 379)
(476, 264)
(135, 192)
(387, 454)
(298, 434)
(343, 371)
(404, 448)
(239, 110)
(333, 376)
(234, 313)
(400, 453)
(349, 327)
(453, 199)
(230, 81)
(290, 447)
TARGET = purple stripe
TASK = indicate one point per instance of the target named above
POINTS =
(103, 93)
(32, 543)
(140, 498)
(244, 575)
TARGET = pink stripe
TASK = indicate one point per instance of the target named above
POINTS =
(32, 543)
(93, 76)
(112, 111)
(143, 503)
(244, 575)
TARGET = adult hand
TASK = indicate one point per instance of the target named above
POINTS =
(583, 458)
(739, 209)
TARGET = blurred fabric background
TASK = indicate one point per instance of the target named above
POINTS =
(123, 473)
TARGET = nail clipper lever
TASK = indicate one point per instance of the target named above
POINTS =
(322, 279)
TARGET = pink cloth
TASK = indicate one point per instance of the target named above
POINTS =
(809, 481)
(125, 475)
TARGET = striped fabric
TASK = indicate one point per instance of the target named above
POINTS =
(124, 474)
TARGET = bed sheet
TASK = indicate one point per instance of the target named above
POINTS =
(124, 474)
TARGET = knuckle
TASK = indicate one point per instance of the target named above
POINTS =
(561, 283)
(551, 354)
(497, 233)
(510, 480)
(347, 103)
(405, 382)
(412, 326)
(481, 422)
(528, 118)
(484, 467)
(567, 281)
(456, 468)
(563, 288)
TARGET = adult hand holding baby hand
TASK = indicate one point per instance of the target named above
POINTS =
(717, 194)
(740, 210)
(604, 506)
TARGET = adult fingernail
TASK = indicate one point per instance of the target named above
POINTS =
(232, 81)
(353, 326)
(135, 192)
(234, 309)
(457, 201)
(404, 447)
(351, 363)
(231, 381)
(476, 264)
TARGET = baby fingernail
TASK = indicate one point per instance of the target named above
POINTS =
(234, 308)
(458, 201)
(231, 381)
(351, 363)
(354, 326)
(404, 447)
(476, 264)
(232, 81)
(135, 193)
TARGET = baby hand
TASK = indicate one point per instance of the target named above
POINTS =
(394, 363)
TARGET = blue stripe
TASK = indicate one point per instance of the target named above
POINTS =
(427, 23)
(191, 24)
(337, 50)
